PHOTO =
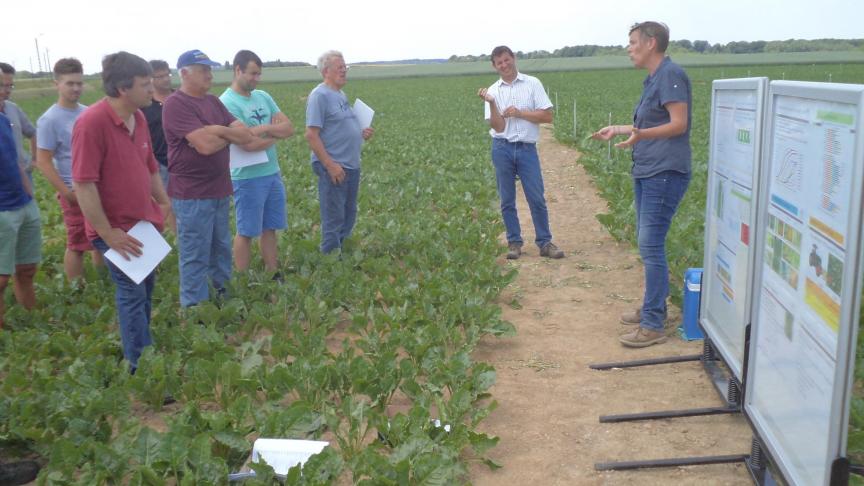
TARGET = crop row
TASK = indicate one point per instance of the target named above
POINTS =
(363, 351)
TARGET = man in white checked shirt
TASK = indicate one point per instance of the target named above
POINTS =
(516, 104)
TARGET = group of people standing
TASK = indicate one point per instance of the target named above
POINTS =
(659, 136)
(110, 164)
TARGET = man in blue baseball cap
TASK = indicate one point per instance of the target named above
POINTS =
(198, 129)
(194, 56)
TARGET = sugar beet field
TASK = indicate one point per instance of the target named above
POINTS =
(363, 352)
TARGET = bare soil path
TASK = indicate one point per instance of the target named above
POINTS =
(566, 315)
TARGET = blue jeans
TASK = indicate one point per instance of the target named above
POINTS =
(204, 239)
(657, 198)
(338, 206)
(513, 159)
(133, 303)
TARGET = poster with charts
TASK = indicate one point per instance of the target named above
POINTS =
(809, 204)
(808, 252)
(735, 155)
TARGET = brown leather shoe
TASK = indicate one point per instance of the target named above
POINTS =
(642, 338)
(514, 250)
(632, 317)
(549, 250)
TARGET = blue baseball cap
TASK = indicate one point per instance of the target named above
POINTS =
(194, 56)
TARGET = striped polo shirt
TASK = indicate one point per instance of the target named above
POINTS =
(526, 93)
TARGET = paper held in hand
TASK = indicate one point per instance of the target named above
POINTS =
(241, 158)
(154, 251)
(363, 113)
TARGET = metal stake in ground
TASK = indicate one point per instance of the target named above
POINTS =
(609, 143)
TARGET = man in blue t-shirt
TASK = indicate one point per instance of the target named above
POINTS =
(660, 138)
(259, 194)
(54, 159)
(21, 126)
(335, 137)
(20, 226)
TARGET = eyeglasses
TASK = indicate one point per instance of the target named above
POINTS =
(162, 76)
(9, 87)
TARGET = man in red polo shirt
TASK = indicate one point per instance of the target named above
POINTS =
(116, 178)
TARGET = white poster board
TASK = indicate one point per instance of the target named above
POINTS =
(799, 376)
(737, 110)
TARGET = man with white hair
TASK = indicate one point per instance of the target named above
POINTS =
(336, 138)
(198, 129)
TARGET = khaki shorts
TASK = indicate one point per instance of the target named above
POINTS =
(20, 237)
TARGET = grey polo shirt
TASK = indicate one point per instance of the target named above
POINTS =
(21, 127)
(668, 84)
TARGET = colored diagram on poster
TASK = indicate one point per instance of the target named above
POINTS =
(783, 250)
(812, 161)
(824, 282)
(730, 233)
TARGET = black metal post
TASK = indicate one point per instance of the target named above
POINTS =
(683, 461)
(665, 414)
(646, 362)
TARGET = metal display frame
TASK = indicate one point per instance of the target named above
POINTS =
(720, 339)
(836, 466)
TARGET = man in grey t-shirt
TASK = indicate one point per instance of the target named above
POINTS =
(54, 159)
(21, 126)
(335, 137)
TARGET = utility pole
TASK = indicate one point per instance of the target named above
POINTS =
(38, 53)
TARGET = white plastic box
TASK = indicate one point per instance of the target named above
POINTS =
(283, 454)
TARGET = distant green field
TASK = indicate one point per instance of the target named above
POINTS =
(309, 73)
(30, 88)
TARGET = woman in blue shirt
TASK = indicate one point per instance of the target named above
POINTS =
(660, 139)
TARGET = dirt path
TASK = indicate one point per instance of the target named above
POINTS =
(566, 313)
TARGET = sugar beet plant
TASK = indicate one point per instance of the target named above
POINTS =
(363, 351)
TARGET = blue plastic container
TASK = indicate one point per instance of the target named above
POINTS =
(692, 291)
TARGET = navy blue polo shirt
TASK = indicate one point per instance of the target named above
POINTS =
(668, 84)
(12, 193)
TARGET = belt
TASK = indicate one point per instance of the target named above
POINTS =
(504, 140)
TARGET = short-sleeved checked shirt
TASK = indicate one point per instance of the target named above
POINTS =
(526, 93)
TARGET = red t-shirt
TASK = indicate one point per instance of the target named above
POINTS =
(120, 164)
(191, 174)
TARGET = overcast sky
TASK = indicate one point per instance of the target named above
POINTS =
(372, 30)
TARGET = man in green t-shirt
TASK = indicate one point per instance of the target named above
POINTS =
(259, 194)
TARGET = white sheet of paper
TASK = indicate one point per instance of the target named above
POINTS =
(363, 113)
(154, 251)
(241, 158)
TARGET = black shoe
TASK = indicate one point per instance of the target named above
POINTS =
(168, 400)
(514, 250)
